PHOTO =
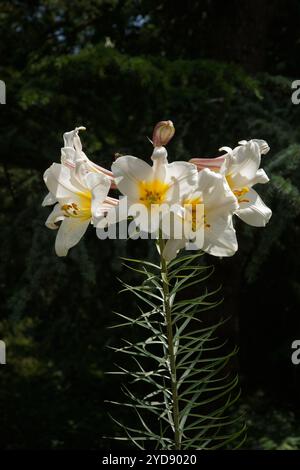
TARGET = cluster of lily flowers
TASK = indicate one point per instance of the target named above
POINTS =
(202, 194)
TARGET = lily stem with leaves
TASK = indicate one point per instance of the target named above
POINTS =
(171, 349)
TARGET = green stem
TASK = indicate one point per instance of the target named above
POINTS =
(171, 352)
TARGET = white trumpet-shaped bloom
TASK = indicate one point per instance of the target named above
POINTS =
(79, 201)
(79, 189)
(215, 223)
(242, 172)
(153, 188)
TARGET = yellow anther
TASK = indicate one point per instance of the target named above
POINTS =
(80, 210)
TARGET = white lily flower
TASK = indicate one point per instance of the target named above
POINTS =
(80, 188)
(154, 187)
(219, 204)
(241, 170)
(78, 203)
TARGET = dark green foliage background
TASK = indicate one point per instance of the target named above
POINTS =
(222, 71)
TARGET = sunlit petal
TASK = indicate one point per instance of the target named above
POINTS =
(253, 210)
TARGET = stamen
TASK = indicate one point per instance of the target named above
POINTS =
(241, 192)
(73, 210)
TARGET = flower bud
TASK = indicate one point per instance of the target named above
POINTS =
(163, 133)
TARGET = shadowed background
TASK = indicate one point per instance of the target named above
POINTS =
(222, 72)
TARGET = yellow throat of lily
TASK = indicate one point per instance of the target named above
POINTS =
(238, 192)
(153, 192)
(80, 209)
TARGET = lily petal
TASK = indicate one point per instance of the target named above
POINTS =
(60, 181)
(254, 212)
(128, 172)
(72, 139)
(183, 176)
(49, 200)
(56, 216)
(262, 144)
(220, 238)
(69, 234)
(244, 164)
(217, 195)
(99, 186)
(260, 177)
(68, 157)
